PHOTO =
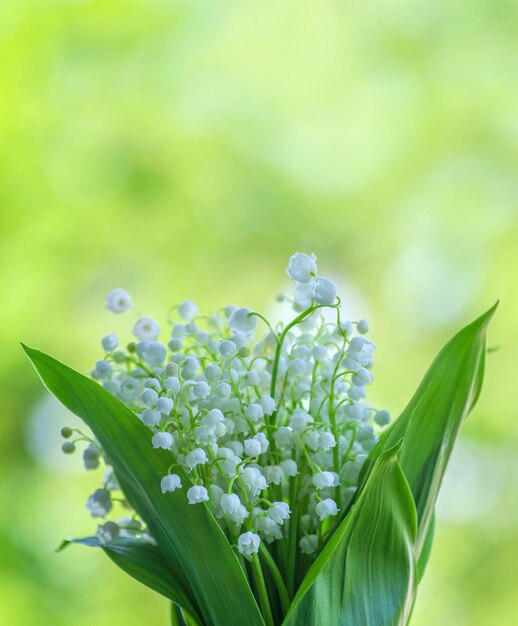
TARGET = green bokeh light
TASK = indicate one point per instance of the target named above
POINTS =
(185, 149)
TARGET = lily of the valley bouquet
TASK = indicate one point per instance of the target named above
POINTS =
(246, 478)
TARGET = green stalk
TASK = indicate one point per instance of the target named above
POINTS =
(332, 418)
(261, 590)
(276, 575)
(294, 527)
(278, 350)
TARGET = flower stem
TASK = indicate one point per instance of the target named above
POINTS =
(274, 570)
(292, 550)
(261, 589)
(280, 341)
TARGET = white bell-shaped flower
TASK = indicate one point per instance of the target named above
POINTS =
(326, 508)
(99, 504)
(170, 483)
(248, 543)
(118, 301)
(274, 474)
(231, 506)
(303, 294)
(172, 383)
(107, 532)
(270, 530)
(146, 329)
(149, 397)
(267, 403)
(326, 441)
(279, 512)
(299, 420)
(198, 456)
(164, 405)
(382, 418)
(323, 480)
(197, 494)
(325, 291)
(309, 544)
(302, 267)
(151, 417)
(110, 342)
(242, 321)
(289, 467)
(162, 440)
(252, 447)
(284, 436)
(201, 389)
(254, 412)
(188, 309)
(252, 478)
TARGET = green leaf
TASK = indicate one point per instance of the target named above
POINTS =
(180, 618)
(431, 422)
(366, 573)
(189, 538)
(426, 549)
(143, 562)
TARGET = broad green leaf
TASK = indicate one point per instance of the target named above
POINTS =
(190, 540)
(430, 423)
(143, 562)
(366, 573)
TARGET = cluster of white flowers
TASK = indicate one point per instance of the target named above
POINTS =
(272, 433)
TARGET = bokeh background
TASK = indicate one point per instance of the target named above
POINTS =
(186, 149)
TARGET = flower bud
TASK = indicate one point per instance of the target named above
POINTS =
(227, 348)
(110, 342)
(382, 418)
(175, 344)
(363, 327)
(69, 447)
(188, 309)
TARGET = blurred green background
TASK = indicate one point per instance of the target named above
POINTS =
(186, 149)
